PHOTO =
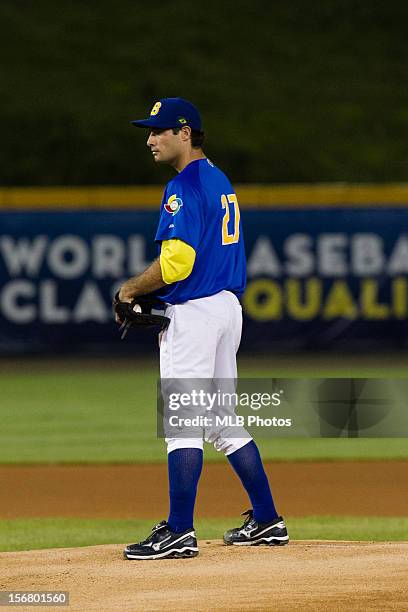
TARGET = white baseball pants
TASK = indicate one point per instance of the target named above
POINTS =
(201, 342)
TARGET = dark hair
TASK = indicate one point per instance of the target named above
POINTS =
(197, 137)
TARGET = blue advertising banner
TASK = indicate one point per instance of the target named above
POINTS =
(317, 278)
(327, 278)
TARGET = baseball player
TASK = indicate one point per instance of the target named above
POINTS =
(199, 276)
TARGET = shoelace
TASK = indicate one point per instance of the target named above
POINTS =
(159, 526)
(249, 516)
(155, 529)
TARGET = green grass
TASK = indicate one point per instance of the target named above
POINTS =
(315, 365)
(34, 534)
(79, 416)
(79, 413)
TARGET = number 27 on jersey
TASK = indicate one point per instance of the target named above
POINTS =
(230, 202)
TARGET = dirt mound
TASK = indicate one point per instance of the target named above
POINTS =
(312, 575)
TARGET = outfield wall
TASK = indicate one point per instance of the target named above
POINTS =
(327, 266)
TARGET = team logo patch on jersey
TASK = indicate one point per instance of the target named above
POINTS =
(173, 204)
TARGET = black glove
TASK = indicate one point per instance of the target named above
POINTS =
(138, 312)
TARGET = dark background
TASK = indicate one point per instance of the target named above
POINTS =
(289, 91)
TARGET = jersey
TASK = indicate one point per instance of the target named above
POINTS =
(200, 207)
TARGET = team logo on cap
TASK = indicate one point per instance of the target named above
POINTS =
(173, 204)
(155, 108)
(182, 120)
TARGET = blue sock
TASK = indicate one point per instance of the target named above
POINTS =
(247, 463)
(185, 465)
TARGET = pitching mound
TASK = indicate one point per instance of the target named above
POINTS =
(310, 575)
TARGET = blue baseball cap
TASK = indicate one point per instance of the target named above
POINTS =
(171, 113)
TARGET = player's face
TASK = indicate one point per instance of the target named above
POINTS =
(165, 146)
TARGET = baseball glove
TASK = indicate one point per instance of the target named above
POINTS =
(139, 312)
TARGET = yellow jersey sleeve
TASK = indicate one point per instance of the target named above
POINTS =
(176, 260)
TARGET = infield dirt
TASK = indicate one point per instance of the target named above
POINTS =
(372, 488)
(318, 576)
(305, 574)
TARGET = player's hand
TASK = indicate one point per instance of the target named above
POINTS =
(123, 296)
(137, 312)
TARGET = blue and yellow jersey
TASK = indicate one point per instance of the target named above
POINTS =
(200, 208)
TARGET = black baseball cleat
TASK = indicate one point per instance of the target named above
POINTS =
(163, 543)
(253, 533)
